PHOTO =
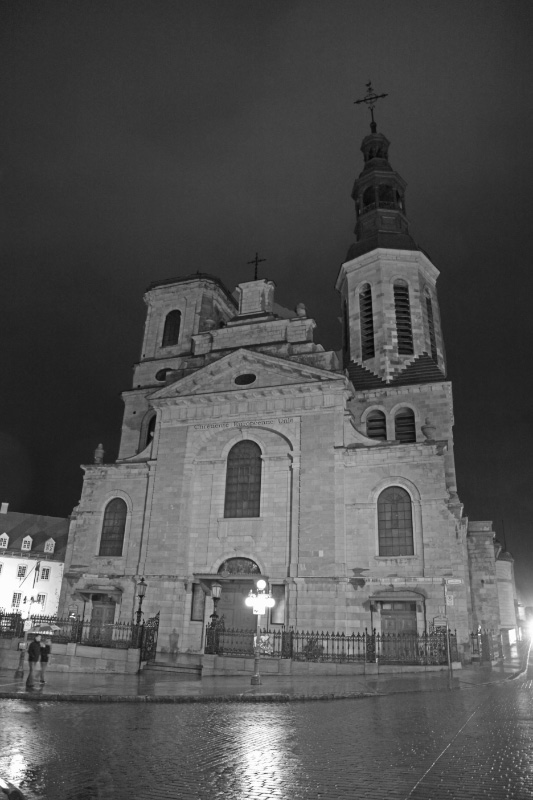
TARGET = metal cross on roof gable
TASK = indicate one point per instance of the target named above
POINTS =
(370, 99)
(256, 261)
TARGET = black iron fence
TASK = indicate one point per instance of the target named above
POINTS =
(424, 649)
(121, 635)
(11, 626)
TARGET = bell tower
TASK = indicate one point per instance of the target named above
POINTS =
(393, 348)
(392, 331)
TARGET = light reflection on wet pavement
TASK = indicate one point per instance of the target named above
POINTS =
(458, 744)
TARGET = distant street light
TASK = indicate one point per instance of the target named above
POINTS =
(259, 601)
(142, 586)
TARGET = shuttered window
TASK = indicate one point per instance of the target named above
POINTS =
(395, 523)
(113, 528)
(171, 332)
(243, 481)
(403, 318)
(367, 322)
(404, 425)
(376, 425)
(431, 327)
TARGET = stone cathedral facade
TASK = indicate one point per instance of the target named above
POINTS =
(248, 449)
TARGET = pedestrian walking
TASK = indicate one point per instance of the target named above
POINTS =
(45, 654)
(34, 654)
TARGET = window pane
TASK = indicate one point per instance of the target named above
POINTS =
(395, 525)
(171, 332)
(113, 528)
(243, 481)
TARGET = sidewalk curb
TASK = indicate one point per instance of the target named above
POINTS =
(270, 697)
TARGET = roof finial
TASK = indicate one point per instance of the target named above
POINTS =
(256, 261)
(370, 99)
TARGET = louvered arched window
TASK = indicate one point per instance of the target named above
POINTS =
(404, 425)
(171, 332)
(431, 327)
(395, 523)
(113, 527)
(376, 425)
(367, 322)
(404, 327)
(345, 333)
(243, 480)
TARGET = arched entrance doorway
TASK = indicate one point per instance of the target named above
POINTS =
(239, 576)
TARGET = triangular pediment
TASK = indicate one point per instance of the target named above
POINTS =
(246, 370)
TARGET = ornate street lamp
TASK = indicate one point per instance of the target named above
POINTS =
(216, 591)
(142, 586)
(259, 601)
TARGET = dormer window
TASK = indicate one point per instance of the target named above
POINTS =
(4, 541)
(49, 546)
(26, 543)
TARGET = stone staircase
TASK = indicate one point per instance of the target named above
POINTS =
(179, 664)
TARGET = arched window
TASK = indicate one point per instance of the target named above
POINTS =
(403, 318)
(376, 425)
(113, 528)
(404, 425)
(369, 198)
(367, 322)
(395, 523)
(386, 196)
(345, 333)
(243, 480)
(150, 430)
(431, 326)
(171, 332)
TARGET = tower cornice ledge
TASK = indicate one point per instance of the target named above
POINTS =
(381, 255)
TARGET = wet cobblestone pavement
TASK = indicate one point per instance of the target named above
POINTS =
(474, 743)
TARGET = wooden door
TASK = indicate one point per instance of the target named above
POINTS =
(232, 607)
(398, 617)
(102, 618)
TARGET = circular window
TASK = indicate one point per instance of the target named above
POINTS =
(246, 379)
(162, 374)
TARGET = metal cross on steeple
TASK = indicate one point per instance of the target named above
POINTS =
(256, 261)
(370, 99)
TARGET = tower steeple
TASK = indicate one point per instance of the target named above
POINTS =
(379, 194)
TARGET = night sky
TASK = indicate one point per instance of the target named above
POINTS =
(140, 141)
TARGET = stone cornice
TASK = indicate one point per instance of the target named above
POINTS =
(255, 395)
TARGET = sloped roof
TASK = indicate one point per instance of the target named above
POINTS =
(422, 370)
(18, 525)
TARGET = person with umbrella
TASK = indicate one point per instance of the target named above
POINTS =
(45, 653)
(34, 654)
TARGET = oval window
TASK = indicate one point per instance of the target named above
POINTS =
(246, 379)
(162, 374)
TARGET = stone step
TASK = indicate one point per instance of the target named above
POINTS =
(164, 666)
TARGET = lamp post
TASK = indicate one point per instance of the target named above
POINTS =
(141, 591)
(216, 591)
(259, 601)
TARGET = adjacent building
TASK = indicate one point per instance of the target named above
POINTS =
(32, 554)
(247, 449)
